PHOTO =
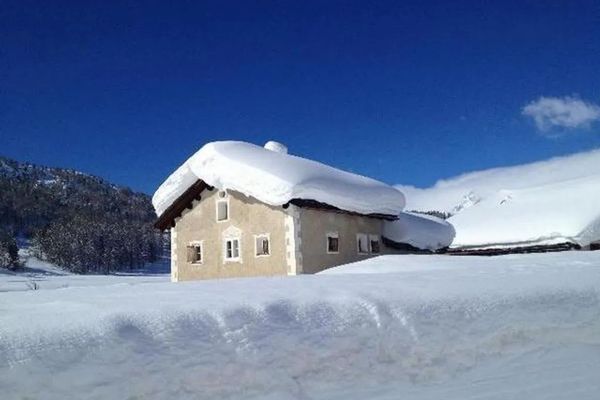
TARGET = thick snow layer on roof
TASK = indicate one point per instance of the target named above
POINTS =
(422, 231)
(558, 212)
(275, 178)
(539, 203)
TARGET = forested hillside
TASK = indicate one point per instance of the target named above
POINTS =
(78, 221)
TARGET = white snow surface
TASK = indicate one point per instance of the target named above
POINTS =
(41, 275)
(274, 177)
(425, 232)
(543, 202)
(422, 327)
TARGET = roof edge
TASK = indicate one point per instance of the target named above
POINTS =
(167, 218)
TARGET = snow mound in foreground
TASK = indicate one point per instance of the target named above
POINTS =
(529, 327)
(275, 177)
(421, 231)
(539, 203)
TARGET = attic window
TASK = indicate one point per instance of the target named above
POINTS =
(262, 245)
(222, 208)
(333, 243)
(374, 244)
(362, 243)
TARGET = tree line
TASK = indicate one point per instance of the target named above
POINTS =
(78, 222)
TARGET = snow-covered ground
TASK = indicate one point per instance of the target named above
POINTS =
(410, 327)
(40, 275)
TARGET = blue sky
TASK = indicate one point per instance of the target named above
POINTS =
(405, 92)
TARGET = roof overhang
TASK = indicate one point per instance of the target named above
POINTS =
(167, 218)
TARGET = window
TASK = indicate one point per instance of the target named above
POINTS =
(262, 246)
(222, 210)
(362, 243)
(333, 243)
(232, 249)
(374, 245)
(222, 207)
(195, 253)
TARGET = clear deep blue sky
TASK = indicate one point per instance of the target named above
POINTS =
(405, 92)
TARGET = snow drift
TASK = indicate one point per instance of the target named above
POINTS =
(275, 177)
(507, 327)
(539, 203)
(421, 231)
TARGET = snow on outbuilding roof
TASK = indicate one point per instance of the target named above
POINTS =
(424, 232)
(274, 177)
(567, 211)
(541, 203)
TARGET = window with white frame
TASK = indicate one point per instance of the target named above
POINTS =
(262, 245)
(222, 207)
(362, 243)
(232, 249)
(333, 243)
(195, 252)
(374, 244)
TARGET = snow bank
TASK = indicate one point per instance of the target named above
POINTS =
(422, 231)
(275, 177)
(525, 328)
(539, 203)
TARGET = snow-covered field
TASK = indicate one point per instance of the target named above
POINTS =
(40, 275)
(422, 327)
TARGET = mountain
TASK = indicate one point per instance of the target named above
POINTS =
(33, 196)
(541, 203)
(78, 221)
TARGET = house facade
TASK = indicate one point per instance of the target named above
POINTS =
(226, 234)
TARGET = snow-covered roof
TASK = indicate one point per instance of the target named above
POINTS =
(421, 231)
(545, 202)
(274, 177)
(554, 213)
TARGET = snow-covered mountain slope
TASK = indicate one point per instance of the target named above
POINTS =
(525, 326)
(545, 202)
(274, 177)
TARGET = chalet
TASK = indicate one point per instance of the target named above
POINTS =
(236, 209)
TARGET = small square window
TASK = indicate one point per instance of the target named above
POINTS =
(362, 243)
(374, 244)
(333, 243)
(262, 245)
(195, 253)
(222, 210)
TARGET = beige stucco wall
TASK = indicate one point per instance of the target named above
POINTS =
(246, 214)
(315, 224)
